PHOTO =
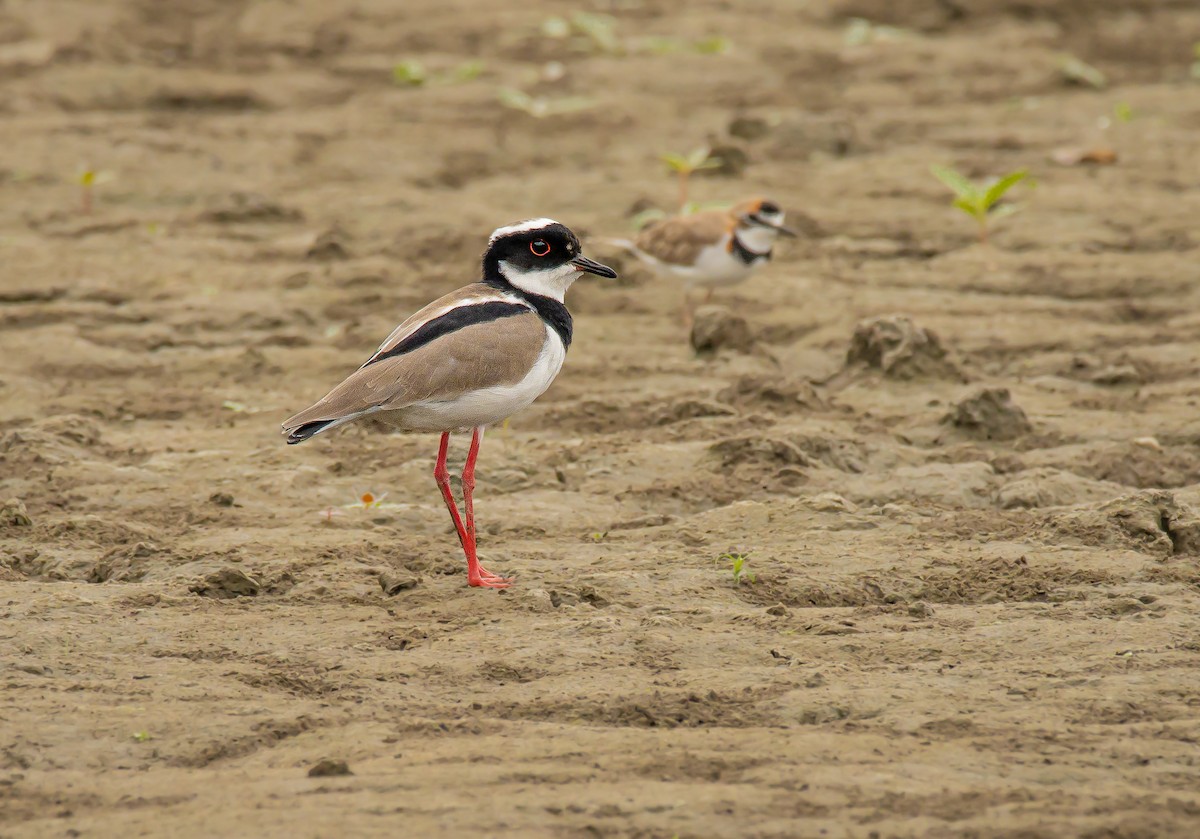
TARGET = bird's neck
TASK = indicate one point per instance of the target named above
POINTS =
(552, 312)
(749, 246)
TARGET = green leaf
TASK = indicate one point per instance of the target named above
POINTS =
(676, 162)
(970, 207)
(469, 71)
(510, 97)
(659, 45)
(959, 185)
(698, 157)
(714, 45)
(997, 190)
(1080, 72)
(556, 27)
(646, 217)
(601, 30)
(409, 73)
(1123, 112)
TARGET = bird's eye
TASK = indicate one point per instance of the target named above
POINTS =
(539, 247)
(769, 208)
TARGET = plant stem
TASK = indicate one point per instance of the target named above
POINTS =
(683, 189)
(983, 231)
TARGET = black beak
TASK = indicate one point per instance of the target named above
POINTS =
(762, 222)
(582, 263)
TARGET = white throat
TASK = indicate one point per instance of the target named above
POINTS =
(757, 239)
(552, 282)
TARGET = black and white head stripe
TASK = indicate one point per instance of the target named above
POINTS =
(524, 227)
(539, 257)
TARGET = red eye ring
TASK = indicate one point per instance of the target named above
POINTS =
(539, 247)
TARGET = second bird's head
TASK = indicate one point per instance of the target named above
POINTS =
(540, 256)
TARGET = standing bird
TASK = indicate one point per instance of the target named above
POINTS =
(470, 359)
(712, 248)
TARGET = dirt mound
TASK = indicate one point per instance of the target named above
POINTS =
(900, 349)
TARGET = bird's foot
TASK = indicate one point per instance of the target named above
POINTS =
(480, 576)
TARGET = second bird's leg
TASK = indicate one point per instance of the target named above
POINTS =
(477, 575)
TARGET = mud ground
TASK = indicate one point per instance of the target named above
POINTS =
(964, 477)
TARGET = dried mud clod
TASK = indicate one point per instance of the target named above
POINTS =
(329, 768)
(14, 514)
(716, 328)
(900, 349)
(1152, 521)
(226, 584)
(772, 393)
(991, 414)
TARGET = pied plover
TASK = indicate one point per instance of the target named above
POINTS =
(470, 359)
(711, 248)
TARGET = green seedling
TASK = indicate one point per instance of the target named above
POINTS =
(142, 736)
(684, 166)
(737, 567)
(410, 73)
(979, 201)
(1077, 71)
(599, 537)
(713, 45)
(414, 74)
(1123, 112)
(860, 31)
(540, 107)
(88, 179)
(591, 32)
(653, 214)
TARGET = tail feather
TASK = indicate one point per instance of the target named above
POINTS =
(302, 432)
(316, 419)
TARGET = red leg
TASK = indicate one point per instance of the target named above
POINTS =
(477, 575)
(442, 476)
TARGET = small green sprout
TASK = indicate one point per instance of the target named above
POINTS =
(713, 45)
(1123, 112)
(142, 736)
(88, 179)
(653, 214)
(468, 71)
(684, 166)
(1077, 71)
(601, 30)
(860, 32)
(592, 32)
(411, 73)
(540, 107)
(979, 202)
(599, 537)
(414, 74)
(737, 567)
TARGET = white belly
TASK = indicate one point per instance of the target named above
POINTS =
(715, 266)
(487, 406)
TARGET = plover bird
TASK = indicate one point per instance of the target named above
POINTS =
(712, 248)
(469, 360)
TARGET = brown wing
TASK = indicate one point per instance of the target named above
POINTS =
(482, 355)
(474, 291)
(679, 240)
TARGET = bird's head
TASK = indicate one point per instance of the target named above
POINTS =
(539, 256)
